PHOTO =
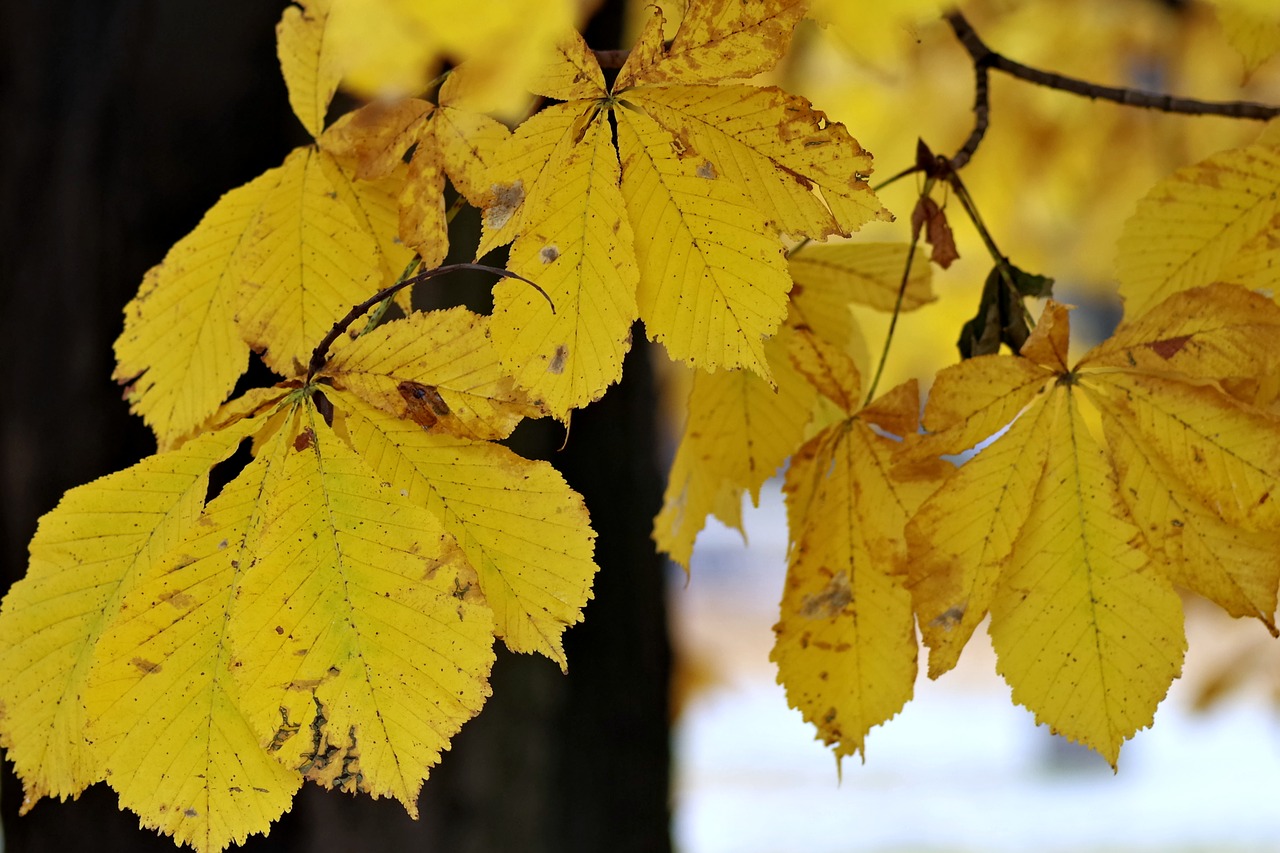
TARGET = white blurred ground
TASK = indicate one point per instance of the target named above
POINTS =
(961, 768)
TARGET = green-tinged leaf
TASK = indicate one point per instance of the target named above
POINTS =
(525, 532)
(161, 703)
(87, 553)
(356, 648)
(1086, 631)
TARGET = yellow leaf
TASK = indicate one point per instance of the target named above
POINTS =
(309, 262)
(713, 279)
(521, 165)
(721, 40)
(375, 206)
(962, 536)
(1253, 33)
(738, 431)
(161, 703)
(975, 399)
(1215, 332)
(525, 532)
(357, 650)
(1237, 569)
(1048, 343)
(846, 645)
(436, 368)
(867, 273)
(569, 71)
(1086, 631)
(827, 369)
(311, 69)
(772, 146)
(1227, 453)
(424, 224)
(86, 554)
(577, 246)
(879, 33)
(469, 144)
(377, 136)
(180, 349)
(391, 47)
(1191, 228)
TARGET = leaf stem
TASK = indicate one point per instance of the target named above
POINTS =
(893, 321)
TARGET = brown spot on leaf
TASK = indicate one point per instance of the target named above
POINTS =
(305, 439)
(280, 629)
(1169, 347)
(425, 405)
(833, 598)
(707, 170)
(190, 812)
(506, 199)
(549, 254)
(948, 619)
(177, 599)
(146, 666)
(557, 362)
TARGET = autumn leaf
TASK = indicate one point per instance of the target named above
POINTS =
(1072, 545)
(846, 646)
(357, 653)
(439, 370)
(866, 273)
(446, 140)
(388, 48)
(181, 351)
(307, 59)
(1254, 33)
(161, 703)
(709, 178)
(738, 432)
(523, 530)
(1215, 221)
(88, 552)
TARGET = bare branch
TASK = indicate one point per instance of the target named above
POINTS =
(985, 57)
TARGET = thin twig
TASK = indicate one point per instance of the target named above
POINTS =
(984, 56)
(897, 311)
(320, 354)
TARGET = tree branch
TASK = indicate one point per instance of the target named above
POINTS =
(320, 354)
(985, 57)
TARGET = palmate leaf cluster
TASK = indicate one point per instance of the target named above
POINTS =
(306, 582)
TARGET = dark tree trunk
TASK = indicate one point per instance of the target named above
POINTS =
(123, 120)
